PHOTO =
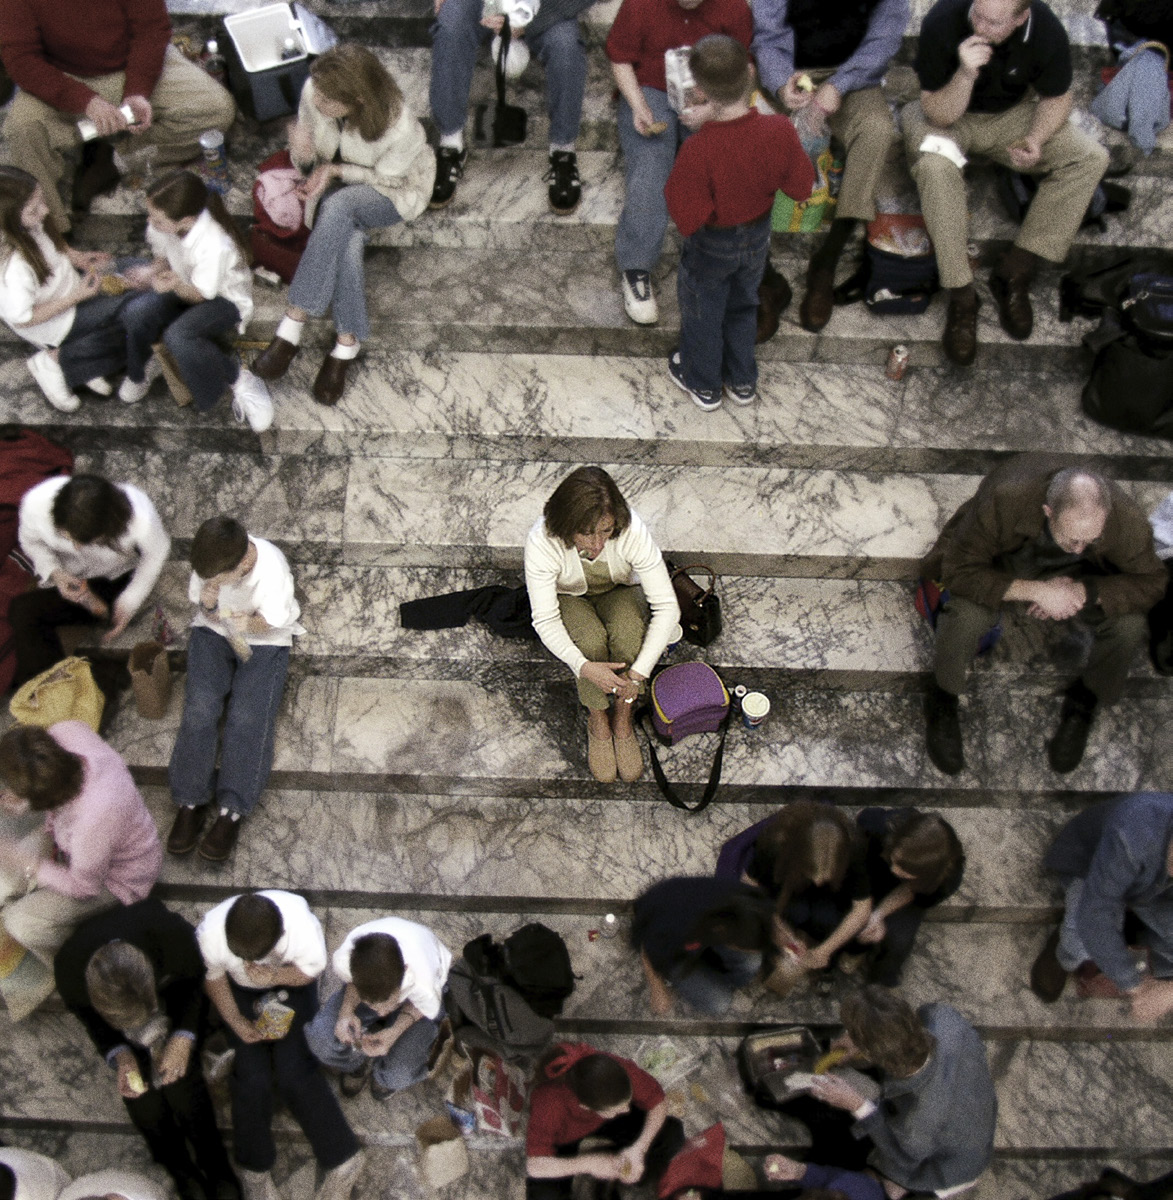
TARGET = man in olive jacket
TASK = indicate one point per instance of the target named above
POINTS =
(1064, 541)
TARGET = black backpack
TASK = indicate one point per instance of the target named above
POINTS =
(533, 961)
(1016, 190)
(1161, 628)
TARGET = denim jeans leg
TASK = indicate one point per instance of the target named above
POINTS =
(702, 287)
(326, 1048)
(204, 365)
(560, 51)
(246, 756)
(740, 367)
(143, 318)
(647, 163)
(330, 273)
(211, 666)
(1071, 951)
(1158, 937)
(457, 33)
(96, 345)
(406, 1063)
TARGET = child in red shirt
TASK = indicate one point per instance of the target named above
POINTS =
(650, 130)
(582, 1093)
(720, 194)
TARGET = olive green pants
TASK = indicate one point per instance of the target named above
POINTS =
(607, 627)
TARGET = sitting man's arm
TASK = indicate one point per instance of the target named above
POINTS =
(948, 105)
(150, 35)
(866, 66)
(1050, 116)
(24, 59)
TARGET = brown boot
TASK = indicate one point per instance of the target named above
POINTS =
(1010, 284)
(959, 340)
(819, 302)
(331, 380)
(274, 360)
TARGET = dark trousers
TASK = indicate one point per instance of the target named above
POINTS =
(832, 1140)
(35, 618)
(96, 343)
(178, 1124)
(285, 1069)
(621, 1131)
(886, 961)
(192, 332)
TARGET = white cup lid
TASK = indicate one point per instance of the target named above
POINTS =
(755, 704)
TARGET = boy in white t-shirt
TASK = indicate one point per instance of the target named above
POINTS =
(263, 953)
(382, 1023)
(245, 622)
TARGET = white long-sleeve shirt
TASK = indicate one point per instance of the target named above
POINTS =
(143, 548)
(551, 568)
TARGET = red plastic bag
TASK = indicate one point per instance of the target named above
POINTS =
(698, 1165)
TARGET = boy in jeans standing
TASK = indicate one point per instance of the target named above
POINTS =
(245, 622)
(720, 194)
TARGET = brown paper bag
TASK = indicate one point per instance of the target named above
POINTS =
(443, 1154)
(150, 676)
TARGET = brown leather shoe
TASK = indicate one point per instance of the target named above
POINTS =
(186, 829)
(353, 1082)
(273, 361)
(960, 337)
(331, 380)
(819, 302)
(220, 840)
(1047, 977)
(1013, 299)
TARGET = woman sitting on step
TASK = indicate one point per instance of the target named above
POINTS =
(353, 130)
(587, 561)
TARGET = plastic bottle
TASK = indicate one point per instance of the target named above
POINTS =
(290, 50)
(214, 62)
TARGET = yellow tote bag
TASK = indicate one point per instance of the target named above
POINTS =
(65, 692)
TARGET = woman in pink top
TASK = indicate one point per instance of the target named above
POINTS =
(100, 848)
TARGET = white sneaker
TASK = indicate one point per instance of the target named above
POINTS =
(251, 401)
(130, 392)
(638, 301)
(338, 1183)
(100, 386)
(46, 370)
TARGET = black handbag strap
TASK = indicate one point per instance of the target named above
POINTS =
(662, 783)
(688, 570)
(502, 55)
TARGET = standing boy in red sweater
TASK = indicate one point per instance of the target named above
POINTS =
(720, 194)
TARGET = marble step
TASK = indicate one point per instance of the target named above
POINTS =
(461, 856)
(1053, 1096)
(477, 513)
(521, 737)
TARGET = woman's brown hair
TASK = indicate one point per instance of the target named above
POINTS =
(926, 846)
(16, 190)
(581, 501)
(887, 1031)
(805, 841)
(352, 75)
(37, 769)
(182, 194)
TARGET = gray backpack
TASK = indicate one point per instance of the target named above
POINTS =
(490, 1015)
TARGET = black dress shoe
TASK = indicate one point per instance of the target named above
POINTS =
(274, 360)
(1014, 311)
(220, 840)
(353, 1082)
(186, 829)
(331, 380)
(959, 340)
(819, 302)
(1065, 749)
(1047, 977)
(943, 731)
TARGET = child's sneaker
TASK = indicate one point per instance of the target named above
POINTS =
(100, 386)
(130, 392)
(703, 399)
(46, 370)
(251, 401)
(744, 394)
(639, 302)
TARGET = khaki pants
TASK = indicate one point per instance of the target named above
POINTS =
(44, 919)
(1071, 166)
(1117, 640)
(606, 627)
(864, 125)
(186, 102)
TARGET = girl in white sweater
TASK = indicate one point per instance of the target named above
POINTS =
(353, 109)
(587, 560)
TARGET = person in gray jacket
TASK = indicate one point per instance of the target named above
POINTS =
(1115, 857)
(932, 1128)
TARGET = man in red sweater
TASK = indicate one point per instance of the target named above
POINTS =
(92, 57)
(720, 194)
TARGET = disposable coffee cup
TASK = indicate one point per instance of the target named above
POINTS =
(754, 709)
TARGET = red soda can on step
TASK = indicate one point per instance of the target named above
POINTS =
(897, 362)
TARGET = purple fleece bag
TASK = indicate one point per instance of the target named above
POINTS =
(688, 698)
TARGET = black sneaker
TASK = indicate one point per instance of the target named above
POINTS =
(449, 168)
(1065, 749)
(565, 185)
(943, 731)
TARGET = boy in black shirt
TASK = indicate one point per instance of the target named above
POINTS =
(995, 80)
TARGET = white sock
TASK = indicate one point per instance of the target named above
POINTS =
(565, 147)
(227, 812)
(453, 141)
(290, 330)
(343, 351)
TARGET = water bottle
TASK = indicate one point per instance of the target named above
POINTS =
(214, 62)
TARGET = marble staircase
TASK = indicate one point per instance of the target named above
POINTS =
(442, 775)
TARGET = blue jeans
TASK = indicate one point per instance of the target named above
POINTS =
(647, 163)
(1158, 934)
(253, 690)
(717, 286)
(709, 990)
(457, 35)
(192, 333)
(96, 343)
(330, 273)
(404, 1064)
